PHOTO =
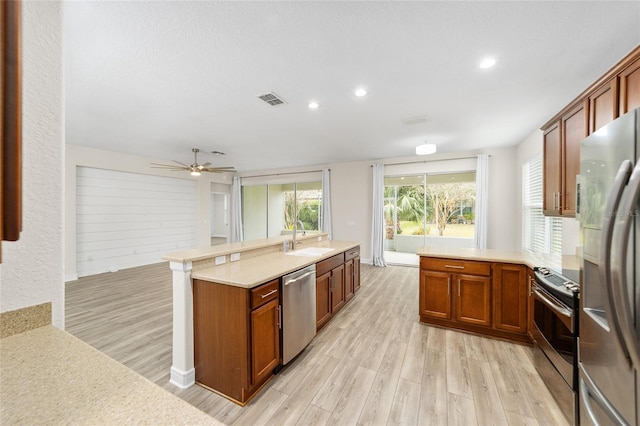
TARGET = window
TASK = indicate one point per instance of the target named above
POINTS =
(269, 210)
(429, 209)
(540, 234)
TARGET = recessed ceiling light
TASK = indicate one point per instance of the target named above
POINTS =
(487, 63)
(313, 105)
(360, 92)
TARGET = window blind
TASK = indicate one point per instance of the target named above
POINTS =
(540, 234)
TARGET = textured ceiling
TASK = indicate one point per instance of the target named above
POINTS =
(158, 78)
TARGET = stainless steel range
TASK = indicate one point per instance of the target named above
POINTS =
(555, 331)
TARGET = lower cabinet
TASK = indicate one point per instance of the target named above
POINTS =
(510, 298)
(483, 297)
(236, 337)
(337, 280)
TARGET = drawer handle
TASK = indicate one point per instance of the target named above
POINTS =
(454, 267)
(269, 294)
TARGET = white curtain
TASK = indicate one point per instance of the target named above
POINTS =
(236, 210)
(325, 226)
(377, 224)
(482, 202)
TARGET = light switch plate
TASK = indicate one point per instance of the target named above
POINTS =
(234, 257)
(220, 260)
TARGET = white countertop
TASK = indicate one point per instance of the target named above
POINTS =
(201, 253)
(252, 272)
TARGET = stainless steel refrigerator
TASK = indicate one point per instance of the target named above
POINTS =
(609, 323)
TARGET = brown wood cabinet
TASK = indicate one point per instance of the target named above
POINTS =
(613, 94)
(603, 105)
(236, 337)
(552, 164)
(337, 280)
(561, 150)
(629, 82)
(473, 301)
(510, 298)
(482, 297)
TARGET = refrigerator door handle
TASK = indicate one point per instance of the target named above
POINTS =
(622, 230)
(610, 212)
(589, 391)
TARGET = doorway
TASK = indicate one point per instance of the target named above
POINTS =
(219, 218)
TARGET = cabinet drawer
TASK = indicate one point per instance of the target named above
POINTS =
(328, 264)
(456, 266)
(351, 253)
(264, 293)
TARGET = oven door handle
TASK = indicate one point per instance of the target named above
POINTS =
(560, 310)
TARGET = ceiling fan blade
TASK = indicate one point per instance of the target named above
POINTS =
(166, 166)
(205, 165)
(218, 169)
(182, 164)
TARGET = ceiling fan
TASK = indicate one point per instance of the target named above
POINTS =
(194, 168)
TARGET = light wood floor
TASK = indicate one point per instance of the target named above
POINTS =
(373, 364)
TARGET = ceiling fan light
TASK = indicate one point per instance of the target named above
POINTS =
(195, 172)
(426, 149)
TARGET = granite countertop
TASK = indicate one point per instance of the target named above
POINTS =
(252, 272)
(51, 377)
(504, 256)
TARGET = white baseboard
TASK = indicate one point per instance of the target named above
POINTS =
(182, 379)
(70, 277)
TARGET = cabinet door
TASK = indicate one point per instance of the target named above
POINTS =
(603, 106)
(510, 297)
(356, 273)
(337, 289)
(265, 341)
(349, 280)
(630, 87)
(473, 299)
(574, 130)
(323, 299)
(552, 152)
(435, 294)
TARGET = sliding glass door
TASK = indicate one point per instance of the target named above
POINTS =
(428, 210)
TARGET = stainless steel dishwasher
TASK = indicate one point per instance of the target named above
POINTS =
(298, 311)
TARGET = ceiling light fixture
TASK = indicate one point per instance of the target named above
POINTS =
(426, 149)
(195, 172)
(313, 105)
(487, 63)
(360, 92)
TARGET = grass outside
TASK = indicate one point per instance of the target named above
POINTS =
(451, 230)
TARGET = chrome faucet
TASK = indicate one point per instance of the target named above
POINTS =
(295, 232)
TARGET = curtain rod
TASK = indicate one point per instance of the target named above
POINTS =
(429, 161)
(283, 174)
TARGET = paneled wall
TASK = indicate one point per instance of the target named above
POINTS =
(130, 219)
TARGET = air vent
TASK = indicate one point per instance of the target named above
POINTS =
(217, 153)
(272, 99)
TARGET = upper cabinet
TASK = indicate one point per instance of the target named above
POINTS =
(614, 94)
(629, 81)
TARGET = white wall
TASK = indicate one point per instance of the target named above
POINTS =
(31, 269)
(89, 157)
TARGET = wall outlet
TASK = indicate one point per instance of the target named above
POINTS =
(220, 260)
(319, 238)
(234, 257)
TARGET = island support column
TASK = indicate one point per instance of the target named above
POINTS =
(183, 373)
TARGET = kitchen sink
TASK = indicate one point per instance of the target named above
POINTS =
(310, 251)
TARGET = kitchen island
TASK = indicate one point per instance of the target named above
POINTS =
(221, 296)
(483, 291)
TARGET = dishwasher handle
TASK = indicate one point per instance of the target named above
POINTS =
(299, 278)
